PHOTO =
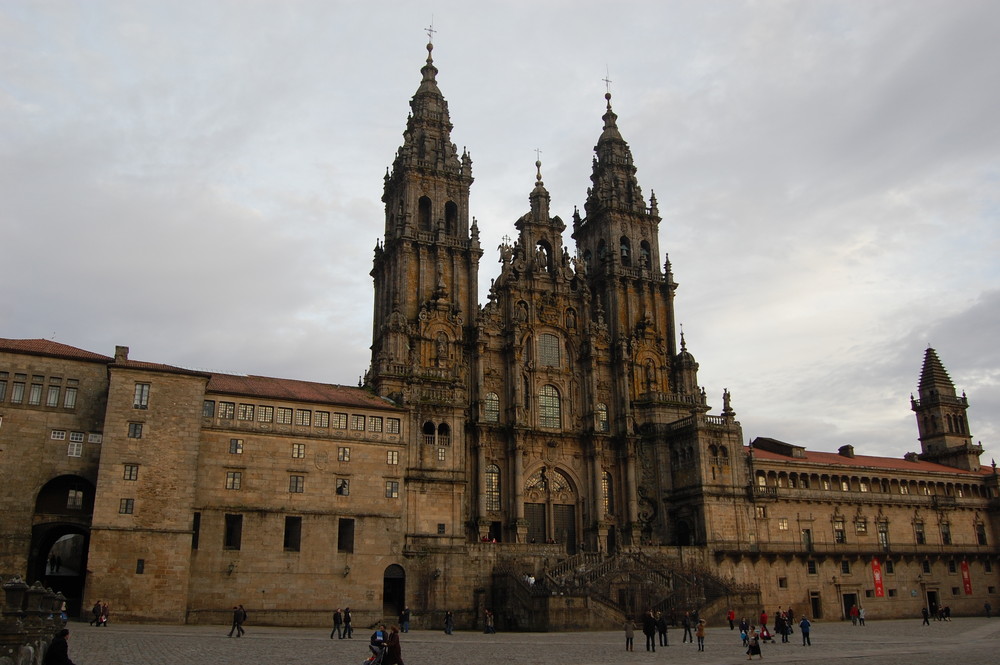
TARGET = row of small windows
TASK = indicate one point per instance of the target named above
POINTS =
(38, 391)
(425, 217)
(624, 253)
(876, 485)
(76, 440)
(889, 567)
(232, 534)
(956, 423)
(840, 528)
(300, 417)
(555, 481)
(299, 452)
(297, 484)
(549, 410)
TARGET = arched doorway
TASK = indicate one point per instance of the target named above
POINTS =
(550, 508)
(393, 590)
(60, 538)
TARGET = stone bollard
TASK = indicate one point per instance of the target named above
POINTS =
(14, 590)
(34, 597)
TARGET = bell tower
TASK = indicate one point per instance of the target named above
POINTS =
(941, 418)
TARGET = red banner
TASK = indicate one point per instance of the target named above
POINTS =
(877, 576)
(966, 580)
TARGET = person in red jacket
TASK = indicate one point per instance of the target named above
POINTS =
(731, 618)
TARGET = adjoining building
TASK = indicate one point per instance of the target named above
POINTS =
(547, 454)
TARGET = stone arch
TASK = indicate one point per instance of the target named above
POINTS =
(393, 590)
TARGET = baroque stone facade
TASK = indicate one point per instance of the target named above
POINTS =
(555, 431)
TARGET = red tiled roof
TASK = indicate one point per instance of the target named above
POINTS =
(158, 367)
(45, 347)
(865, 461)
(300, 391)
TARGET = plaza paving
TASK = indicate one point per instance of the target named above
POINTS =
(973, 641)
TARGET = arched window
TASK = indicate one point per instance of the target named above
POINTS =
(625, 249)
(444, 435)
(644, 254)
(602, 252)
(588, 257)
(608, 489)
(491, 408)
(549, 408)
(450, 218)
(548, 350)
(424, 213)
(428, 431)
(601, 415)
(492, 489)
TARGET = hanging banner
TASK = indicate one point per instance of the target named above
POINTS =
(877, 576)
(966, 580)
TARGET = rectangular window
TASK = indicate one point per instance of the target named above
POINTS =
(17, 394)
(126, 506)
(926, 566)
(233, 536)
(343, 454)
(864, 486)
(130, 472)
(321, 419)
(839, 533)
(782, 582)
(392, 426)
(861, 526)
(227, 410)
(74, 499)
(918, 532)
(140, 398)
(233, 480)
(303, 417)
(892, 593)
(782, 524)
(845, 567)
(952, 567)
(208, 408)
(845, 486)
(441, 528)
(760, 511)
(548, 350)
(343, 486)
(3, 389)
(35, 395)
(235, 446)
(265, 414)
(358, 423)
(904, 488)
(811, 567)
(58, 435)
(392, 489)
(882, 527)
(339, 421)
(293, 533)
(945, 534)
(75, 449)
(140, 566)
(442, 454)
(195, 530)
(890, 567)
(375, 424)
(345, 535)
(284, 416)
(296, 484)
(95, 438)
(392, 457)
(135, 430)
(76, 436)
(298, 450)
(826, 483)
(245, 412)
(52, 396)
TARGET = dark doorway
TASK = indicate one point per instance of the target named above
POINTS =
(564, 518)
(932, 602)
(393, 591)
(496, 532)
(815, 605)
(534, 513)
(59, 561)
(850, 600)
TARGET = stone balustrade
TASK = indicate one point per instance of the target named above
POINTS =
(30, 617)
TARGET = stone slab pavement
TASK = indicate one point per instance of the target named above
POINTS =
(962, 641)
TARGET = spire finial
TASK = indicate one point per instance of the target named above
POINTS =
(538, 166)
(683, 343)
(430, 31)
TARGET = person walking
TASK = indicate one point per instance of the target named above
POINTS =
(699, 632)
(449, 622)
(686, 625)
(753, 648)
(338, 624)
(348, 624)
(105, 614)
(96, 611)
(378, 640)
(489, 626)
(393, 652)
(854, 615)
(804, 627)
(58, 651)
(661, 629)
(404, 620)
(861, 616)
(927, 616)
(649, 630)
(629, 635)
(237, 626)
(731, 618)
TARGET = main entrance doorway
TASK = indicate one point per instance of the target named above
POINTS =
(393, 591)
(550, 509)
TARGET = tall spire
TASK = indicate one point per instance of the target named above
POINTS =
(614, 183)
(934, 377)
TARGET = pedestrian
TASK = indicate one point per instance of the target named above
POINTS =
(237, 626)
(854, 615)
(649, 630)
(861, 616)
(378, 640)
(686, 625)
(58, 651)
(804, 627)
(404, 620)
(661, 629)
(753, 648)
(988, 608)
(348, 624)
(629, 635)
(449, 622)
(338, 624)
(781, 626)
(731, 618)
(699, 632)
(105, 614)
(763, 619)
(927, 616)
(96, 611)
(393, 653)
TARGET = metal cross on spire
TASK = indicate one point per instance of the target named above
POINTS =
(430, 30)
(607, 79)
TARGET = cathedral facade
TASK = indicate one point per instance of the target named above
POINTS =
(546, 453)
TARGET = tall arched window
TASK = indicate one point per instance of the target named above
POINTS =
(549, 411)
(644, 255)
(492, 489)
(608, 489)
(601, 418)
(428, 431)
(450, 218)
(491, 408)
(424, 214)
(625, 250)
(444, 435)
(548, 350)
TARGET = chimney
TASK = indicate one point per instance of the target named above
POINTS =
(121, 354)
(846, 451)
(911, 457)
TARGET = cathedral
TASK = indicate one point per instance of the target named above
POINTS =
(545, 453)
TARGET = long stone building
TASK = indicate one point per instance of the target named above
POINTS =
(548, 453)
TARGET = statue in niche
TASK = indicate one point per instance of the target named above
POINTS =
(570, 319)
(441, 348)
(520, 312)
(650, 374)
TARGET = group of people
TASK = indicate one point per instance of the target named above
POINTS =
(101, 612)
(384, 645)
(654, 627)
(753, 636)
(343, 624)
(857, 615)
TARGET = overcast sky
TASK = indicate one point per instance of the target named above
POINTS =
(201, 181)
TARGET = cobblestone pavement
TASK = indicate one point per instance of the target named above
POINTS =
(975, 641)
